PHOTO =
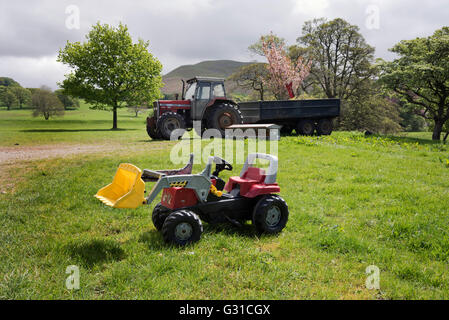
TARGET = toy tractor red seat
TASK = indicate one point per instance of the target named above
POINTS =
(253, 181)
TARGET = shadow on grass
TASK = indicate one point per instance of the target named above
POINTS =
(95, 252)
(246, 230)
(154, 240)
(400, 139)
(133, 116)
(74, 130)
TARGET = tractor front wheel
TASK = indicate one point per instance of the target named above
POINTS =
(160, 214)
(182, 228)
(168, 122)
(152, 128)
(270, 214)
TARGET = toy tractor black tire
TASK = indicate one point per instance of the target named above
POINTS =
(168, 122)
(182, 227)
(306, 127)
(160, 214)
(223, 115)
(270, 214)
(324, 127)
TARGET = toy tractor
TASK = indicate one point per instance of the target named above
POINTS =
(189, 198)
(204, 100)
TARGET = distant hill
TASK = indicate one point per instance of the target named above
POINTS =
(212, 68)
(7, 82)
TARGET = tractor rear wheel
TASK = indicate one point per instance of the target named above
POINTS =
(222, 116)
(324, 127)
(305, 127)
(182, 227)
(270, 214)
(168, 122)
(160, 213)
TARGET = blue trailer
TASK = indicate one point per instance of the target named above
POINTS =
(304, 116)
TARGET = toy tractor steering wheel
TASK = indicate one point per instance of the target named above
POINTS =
(220, 165)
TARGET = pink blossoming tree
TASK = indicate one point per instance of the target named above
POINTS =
(285, 75)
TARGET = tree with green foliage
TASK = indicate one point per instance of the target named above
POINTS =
(272, 39)
(341, 58)
(136, 109)
(370, 109)
(110, 71)
(23, 95)
(46, 103)
(420, 75)
(8, 98)
(252, 77)
(69, 102)
(446, 131)
(410, 121)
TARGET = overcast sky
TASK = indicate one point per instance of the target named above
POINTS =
(189, 31)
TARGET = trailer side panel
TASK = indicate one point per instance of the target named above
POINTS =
(282, 111)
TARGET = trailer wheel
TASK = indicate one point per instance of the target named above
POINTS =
(168, 122)
(270, 214)
(182, 228)
(324, 127)
(305, 127)
(222, 116)
(160, 213)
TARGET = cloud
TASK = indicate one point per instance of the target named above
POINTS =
(315, 8)
(189, 31)
(33, 72)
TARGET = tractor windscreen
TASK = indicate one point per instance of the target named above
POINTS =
(190, 90)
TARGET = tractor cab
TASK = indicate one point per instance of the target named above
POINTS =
(202, 92)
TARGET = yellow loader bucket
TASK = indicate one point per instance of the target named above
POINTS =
(126, 190)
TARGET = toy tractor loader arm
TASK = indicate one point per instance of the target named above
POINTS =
(155, 175)
(198, 182)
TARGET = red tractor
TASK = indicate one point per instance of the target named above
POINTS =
(204, 105)
(204, 100)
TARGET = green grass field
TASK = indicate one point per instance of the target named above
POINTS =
(79, 126)
(354, 202)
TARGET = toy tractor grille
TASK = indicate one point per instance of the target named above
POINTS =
(179, 184)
